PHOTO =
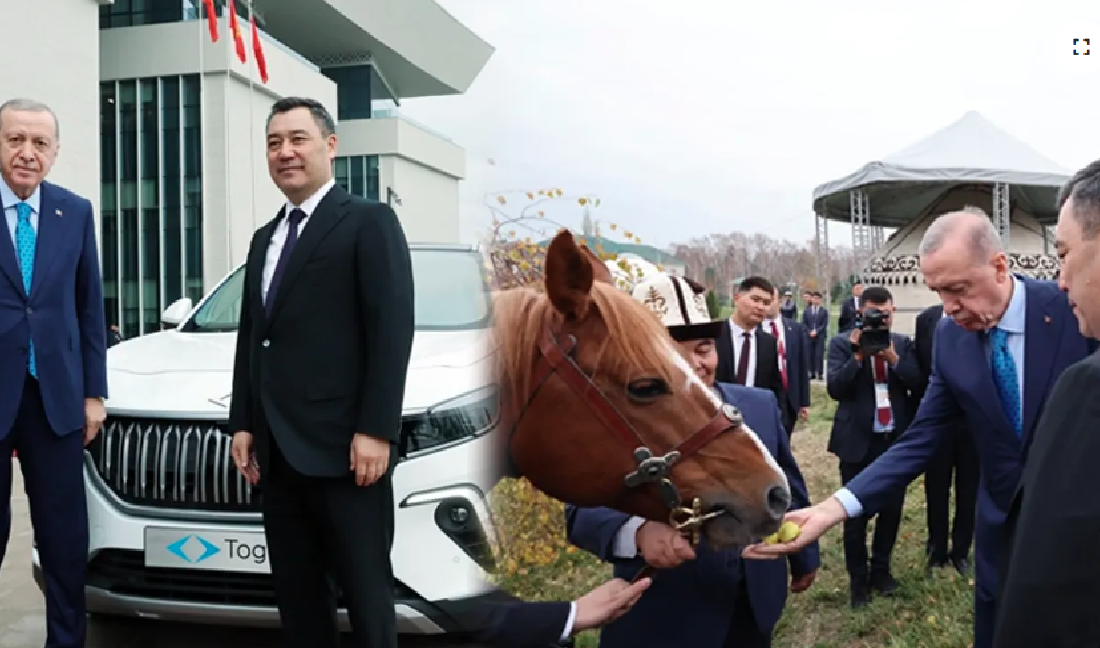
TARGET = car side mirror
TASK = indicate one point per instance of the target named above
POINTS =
(176, 312)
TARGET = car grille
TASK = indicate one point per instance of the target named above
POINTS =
(172, 464)
(123, 572)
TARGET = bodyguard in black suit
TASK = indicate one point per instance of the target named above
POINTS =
(957, 455)
(815, 319)
(760, 366)
(794, 360)
(874, 407)
(326, 331)
(849, 309)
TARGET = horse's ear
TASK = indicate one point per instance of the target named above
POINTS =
(599, 268)
(569, 276)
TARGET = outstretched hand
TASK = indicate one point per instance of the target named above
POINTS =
(813, 522)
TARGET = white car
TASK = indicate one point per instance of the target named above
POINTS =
(176, 533)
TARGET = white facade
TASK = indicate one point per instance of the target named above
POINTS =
(63, 73)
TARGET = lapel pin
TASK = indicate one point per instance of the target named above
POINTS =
(1046, 319)
(57, 212)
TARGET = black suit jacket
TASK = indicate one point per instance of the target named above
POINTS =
(852, 385)
(819, 323)
(1050, 592)
(926, 333)
(848, 312)
(767, 374)
(331, 359)
(522, 624)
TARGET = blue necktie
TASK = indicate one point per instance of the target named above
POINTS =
(294, 218)
(25, 243)
(1005, 378)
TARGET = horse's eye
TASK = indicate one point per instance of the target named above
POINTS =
(647, 389)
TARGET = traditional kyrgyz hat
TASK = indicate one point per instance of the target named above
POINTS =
(680, 303)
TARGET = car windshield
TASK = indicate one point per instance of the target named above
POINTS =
(450, 294)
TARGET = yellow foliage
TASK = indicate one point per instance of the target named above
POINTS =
(530, 528)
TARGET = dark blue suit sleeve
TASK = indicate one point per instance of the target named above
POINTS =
(842, 369)
(593, 529)
(908, 369)
(803, 377)
(908, 457)
(91, 313)
(519, 624)
(809, 559)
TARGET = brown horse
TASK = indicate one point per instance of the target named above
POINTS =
(592, 391)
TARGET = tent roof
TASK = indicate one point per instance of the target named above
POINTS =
(972, 150)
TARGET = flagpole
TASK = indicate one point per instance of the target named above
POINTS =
(229, 46)
(202, 22)
(251, 127)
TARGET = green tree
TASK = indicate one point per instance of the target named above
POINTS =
(713, 307)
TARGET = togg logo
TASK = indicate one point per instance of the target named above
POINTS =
(193, 545)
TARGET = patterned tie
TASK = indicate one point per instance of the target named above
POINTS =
(25, 243)
(293, 219)
(1005, 378)
(884, 413)
(782, 353)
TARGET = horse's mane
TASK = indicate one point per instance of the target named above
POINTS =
(637, 340)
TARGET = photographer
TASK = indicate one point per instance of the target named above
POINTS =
(871, 373)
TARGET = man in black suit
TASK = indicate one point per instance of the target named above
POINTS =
(957, 455)
(1051, 589)
(746, 354)
(326, 330)
(815, 319)
(874, 407)
(850, 308)
(794, 350)
(788, 308)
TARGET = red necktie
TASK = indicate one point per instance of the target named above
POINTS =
(880, 378)
(782, 354)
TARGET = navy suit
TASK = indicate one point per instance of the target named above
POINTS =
(797, 348)
(848, 312)
(705, 590)
(816, 322)
(511, 623)
(962, 392)
(43, 418)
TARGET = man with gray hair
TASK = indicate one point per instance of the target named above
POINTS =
(53, 370)
(1005, 341)
(1051, 589)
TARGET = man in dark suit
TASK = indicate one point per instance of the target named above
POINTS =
(794, 349)
(850, 308)
(958, 456)
(326, 331)
(994, 363)
(815, 319)
(746, 354)
(788, 308)
(53, 370)
(1051, 588)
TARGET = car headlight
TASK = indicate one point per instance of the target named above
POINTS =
(458, 419)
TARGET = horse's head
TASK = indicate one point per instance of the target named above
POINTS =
(590, 382)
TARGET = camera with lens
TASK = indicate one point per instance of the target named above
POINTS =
(874, 331)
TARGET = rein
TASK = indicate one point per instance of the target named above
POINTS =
(557, 358)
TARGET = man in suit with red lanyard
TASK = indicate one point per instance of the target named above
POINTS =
(794, 360)
(53, 368)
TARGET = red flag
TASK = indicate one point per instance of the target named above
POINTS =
(211, 19)
(235, 27)
(258, 51)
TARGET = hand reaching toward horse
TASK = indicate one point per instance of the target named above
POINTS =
(813, 522)
(662, 546)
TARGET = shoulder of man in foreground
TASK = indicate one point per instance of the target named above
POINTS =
(61, 193)
(754, 401)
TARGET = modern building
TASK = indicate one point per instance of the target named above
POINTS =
(163, 128)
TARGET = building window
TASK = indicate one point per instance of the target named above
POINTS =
(358, 175)
(353, 90)
(131, 13)
(152, 198)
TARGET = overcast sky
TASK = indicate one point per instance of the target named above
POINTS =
(689, 117)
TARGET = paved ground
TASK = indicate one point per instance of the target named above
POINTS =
(22, 615)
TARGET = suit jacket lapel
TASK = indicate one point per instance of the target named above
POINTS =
(255, 264)
(1042, 337)
(330, 211)
(9, 264)
(52, 227)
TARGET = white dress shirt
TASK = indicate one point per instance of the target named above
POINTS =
(1013, 323)
(282, 228)
(9, 199)
(737, 336)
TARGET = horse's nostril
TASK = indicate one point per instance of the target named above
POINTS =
(777, 500)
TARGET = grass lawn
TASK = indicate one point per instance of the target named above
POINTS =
(538, 564)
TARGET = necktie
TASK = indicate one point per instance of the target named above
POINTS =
(25, 242)
(1005, 378)
(880, 378)
(782, 354)
(743, 360)
(294, 218)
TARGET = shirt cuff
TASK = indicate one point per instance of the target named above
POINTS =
(625, 545)
(849, 502)
(568, 631)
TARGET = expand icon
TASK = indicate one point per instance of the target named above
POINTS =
(190, 545)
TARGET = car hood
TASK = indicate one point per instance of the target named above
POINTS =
(177, 374)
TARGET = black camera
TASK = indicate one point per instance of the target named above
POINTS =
(874, 331)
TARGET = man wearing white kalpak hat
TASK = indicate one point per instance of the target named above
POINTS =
(731, 603)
